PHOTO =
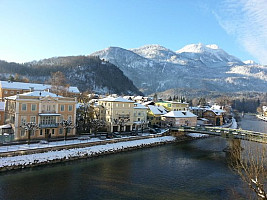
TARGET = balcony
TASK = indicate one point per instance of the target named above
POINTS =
(123, 116)
(55, 125)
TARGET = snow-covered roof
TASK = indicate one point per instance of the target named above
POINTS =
(2, 106)
(138, 98)
(128, 97)
(264, 108)
(34, 94)
(196, 108)
(179, 114)
(5, 126)
(216, 111)
(203, 119)
(139, 106)
(28, 86)
(216, 107)
(157, 110)
(117, 99)
(174, 102)
(148, 103)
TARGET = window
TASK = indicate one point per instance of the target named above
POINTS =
(33, 119)
(17, 92)
(69, 118)
(6, 92)
(23, 120)
(129, 105)
(70, 107)
(123, 105)
(33, 107)
(24, 106)
(41, 131)
(117, 105)
(138, 119)
(11, 92)
(62, 107)
(60, 131)
(53, 131)
(22, 132)
(48, 108)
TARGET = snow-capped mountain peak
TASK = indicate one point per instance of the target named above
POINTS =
(156, 68)
(198, 48)
(250, 62)
(207, 53)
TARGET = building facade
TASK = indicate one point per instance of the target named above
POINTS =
(215, 117)
(118, 113)
(140, 116)
(9, 88)
(154, 115)
(43, 109)
(173, 105)
(179, 118)
(2, 113)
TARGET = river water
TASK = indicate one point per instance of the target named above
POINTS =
(187, 170)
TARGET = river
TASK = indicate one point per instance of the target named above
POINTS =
(251, 122)
(188, 170)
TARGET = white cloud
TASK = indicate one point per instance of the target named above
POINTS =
(247, 21)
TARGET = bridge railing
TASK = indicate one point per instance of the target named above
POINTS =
(228, 132)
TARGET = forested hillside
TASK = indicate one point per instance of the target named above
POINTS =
(88, 73)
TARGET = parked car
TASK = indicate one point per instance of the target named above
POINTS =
(152, 131)
(158, 130)
(84, 137)
(43, 142)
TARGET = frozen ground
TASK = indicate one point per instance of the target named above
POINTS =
(19, 147)
(24, 160)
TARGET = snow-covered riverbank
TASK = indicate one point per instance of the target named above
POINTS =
(22, 161)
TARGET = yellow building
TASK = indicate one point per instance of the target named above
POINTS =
(173, 105)
(9, 88)
(154, 115)
(43, 109)
(119, 113)
(2, 113)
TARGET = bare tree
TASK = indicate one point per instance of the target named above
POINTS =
(59, 84)
(250, 163)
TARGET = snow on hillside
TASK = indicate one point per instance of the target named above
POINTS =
(256, 71)
(250, 62)
(154, 68)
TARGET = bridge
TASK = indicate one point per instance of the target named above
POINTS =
(225, 132)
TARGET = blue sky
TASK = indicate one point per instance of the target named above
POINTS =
(38, 29)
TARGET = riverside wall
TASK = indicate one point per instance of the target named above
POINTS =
(82, 155)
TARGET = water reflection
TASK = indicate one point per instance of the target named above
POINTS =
(188, 170)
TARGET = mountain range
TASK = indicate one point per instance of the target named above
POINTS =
(154, 68)
(199, 68)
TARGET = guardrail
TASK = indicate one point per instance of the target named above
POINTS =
(228, 132)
